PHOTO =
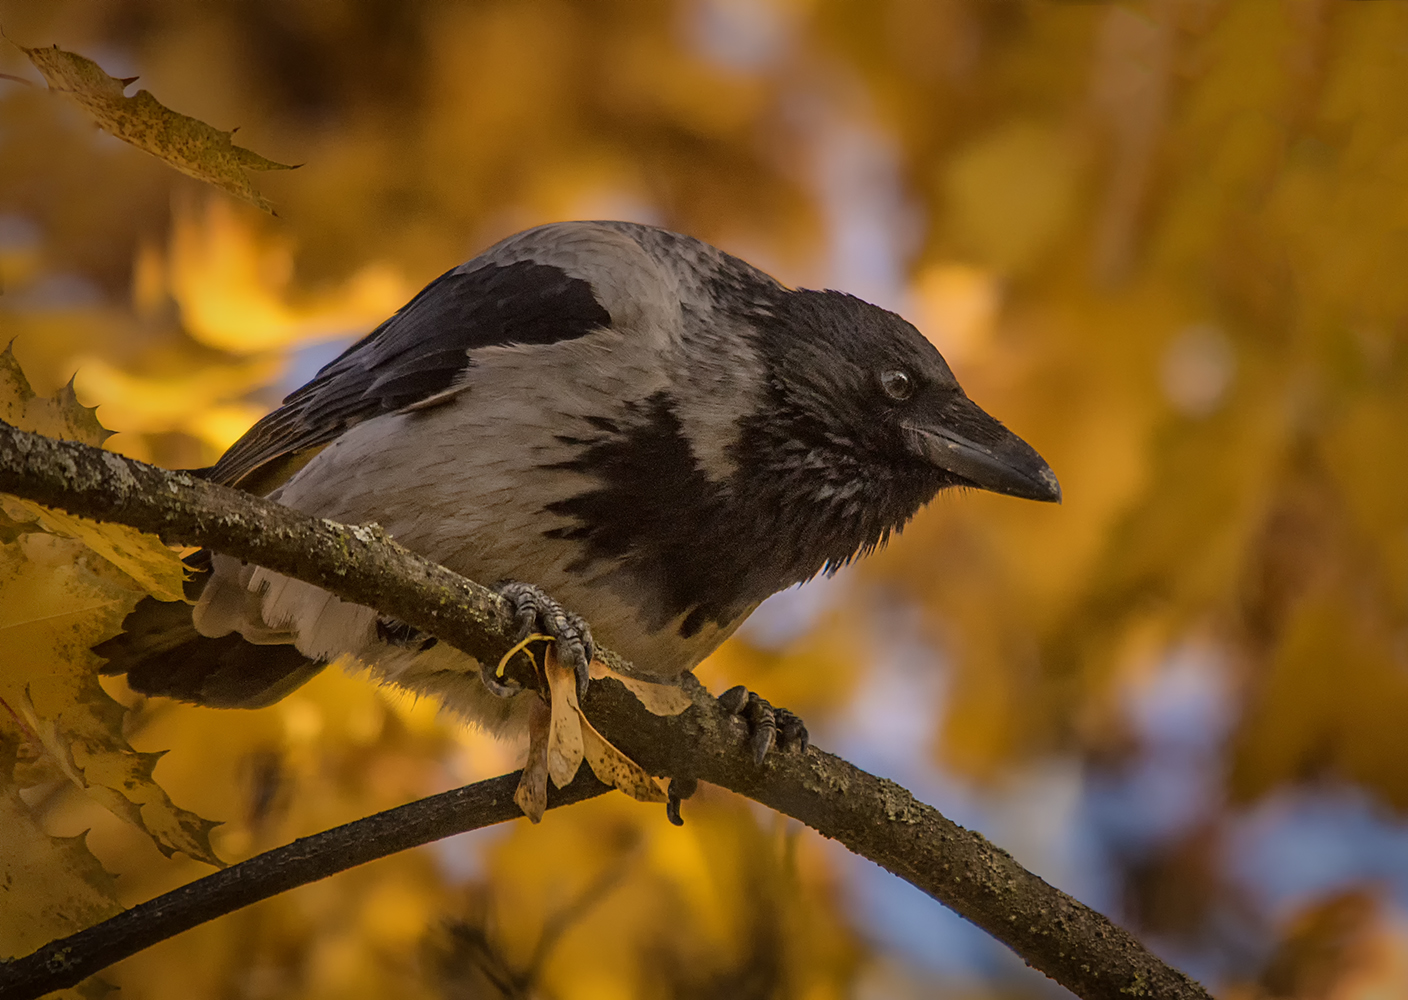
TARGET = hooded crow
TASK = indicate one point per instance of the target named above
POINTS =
(649, 430)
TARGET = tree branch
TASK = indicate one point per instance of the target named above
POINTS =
(68, 961)
(871, 816)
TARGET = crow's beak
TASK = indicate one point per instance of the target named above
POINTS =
(968, 443)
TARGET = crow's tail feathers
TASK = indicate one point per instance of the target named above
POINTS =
(161, 653)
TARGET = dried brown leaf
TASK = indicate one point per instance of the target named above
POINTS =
(565, 734)
(190, 145)
(561, 737)
(532, 792)
(615, 768)
(660, 699)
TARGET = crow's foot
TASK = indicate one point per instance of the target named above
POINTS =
(768, 726)
(539, 614)
(679, 790)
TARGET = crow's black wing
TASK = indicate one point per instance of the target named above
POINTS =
(413, 356)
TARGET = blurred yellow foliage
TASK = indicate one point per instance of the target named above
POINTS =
(957, 308)
(1012, 193)
(233, 290)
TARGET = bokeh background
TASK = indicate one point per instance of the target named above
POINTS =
(1165, 241)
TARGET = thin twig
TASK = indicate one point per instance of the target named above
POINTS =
(69, 961)
(561, 921)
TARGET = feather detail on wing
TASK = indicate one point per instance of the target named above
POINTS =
(413, 360)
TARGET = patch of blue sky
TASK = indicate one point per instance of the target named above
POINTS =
(874, 223)
(1299, 845)
(305, 362)
(1181, 713)
(1038, 814)
(790, 614)
(56, 291)
(744, 36)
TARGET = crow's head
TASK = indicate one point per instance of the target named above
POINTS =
(865, 421)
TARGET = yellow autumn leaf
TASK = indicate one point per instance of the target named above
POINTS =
(50, 887)
(66, 583)
(56, 600)
(188, 144)
(61, 417)
(156, 568)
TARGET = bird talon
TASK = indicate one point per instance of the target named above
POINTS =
(583, 667)
(768, 727)
(527, 617)
(791, 731)
(764, 723)
(734, 699)
(763, 738)
(537, 613)
(679, 790)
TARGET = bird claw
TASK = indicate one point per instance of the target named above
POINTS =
(536, 612)
(768, 726)
(679, 790)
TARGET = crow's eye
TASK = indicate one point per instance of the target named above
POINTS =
(897, 384)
